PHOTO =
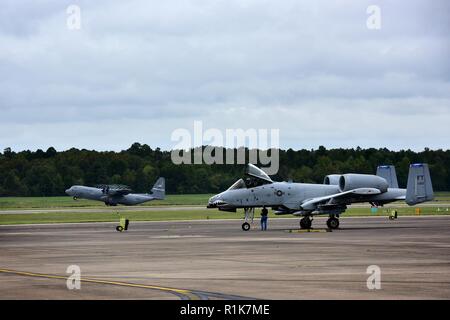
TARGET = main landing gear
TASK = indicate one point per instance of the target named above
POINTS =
(333, 222)
(306, 222)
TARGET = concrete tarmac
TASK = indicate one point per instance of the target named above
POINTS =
(215, 259)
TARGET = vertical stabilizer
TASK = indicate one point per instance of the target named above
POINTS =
(419, 187)
(388, 173)
(159, 189)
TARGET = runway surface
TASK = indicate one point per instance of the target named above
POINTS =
(214, 259)
(444, 204)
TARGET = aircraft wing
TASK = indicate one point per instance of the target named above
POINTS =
(120, 192)
(115, 190)
(312, 204)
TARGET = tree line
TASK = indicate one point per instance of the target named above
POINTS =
(50, 173)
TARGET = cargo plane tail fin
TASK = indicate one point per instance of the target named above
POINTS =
(159, 189)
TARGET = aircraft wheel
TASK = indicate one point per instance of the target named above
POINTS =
(75, 198)
(119, 228)
(246, 226)
(333, 223)
(305, 223)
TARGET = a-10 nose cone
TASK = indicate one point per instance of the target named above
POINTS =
(215, 202)
(211, 202)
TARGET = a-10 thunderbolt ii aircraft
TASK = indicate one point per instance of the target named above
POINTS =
(330, 198)
(112, 195)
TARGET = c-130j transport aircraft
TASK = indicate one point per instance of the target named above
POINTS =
(112, 195)
(330, 198)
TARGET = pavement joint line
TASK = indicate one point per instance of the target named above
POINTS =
(216, 220)
(184, 292)
(308, 230)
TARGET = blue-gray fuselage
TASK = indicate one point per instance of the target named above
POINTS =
(91, 193)
(290, 196)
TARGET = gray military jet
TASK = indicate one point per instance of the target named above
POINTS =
(112, 195)
(330, 198)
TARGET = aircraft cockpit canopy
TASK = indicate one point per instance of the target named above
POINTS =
(257, 173)
(240, 184)
(256, 177)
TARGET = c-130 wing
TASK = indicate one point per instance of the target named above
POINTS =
(115, 190)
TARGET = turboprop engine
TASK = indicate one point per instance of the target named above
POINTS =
(354, 181)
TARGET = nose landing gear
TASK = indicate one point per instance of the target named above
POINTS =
(249, 216)
(246, 226)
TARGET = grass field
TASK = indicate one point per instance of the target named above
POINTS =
(7, 203)
(159, 215)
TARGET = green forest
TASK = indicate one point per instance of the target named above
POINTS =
(49, 173)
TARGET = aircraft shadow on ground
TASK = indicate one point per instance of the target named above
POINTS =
(325, 230)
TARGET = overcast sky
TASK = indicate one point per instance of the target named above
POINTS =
(138, 70)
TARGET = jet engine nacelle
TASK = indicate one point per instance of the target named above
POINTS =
(352, 181)
(332, 179)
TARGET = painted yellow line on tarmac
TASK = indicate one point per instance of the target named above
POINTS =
(98, 281)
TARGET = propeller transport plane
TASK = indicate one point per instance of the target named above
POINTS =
(112, 195)
(330, 198)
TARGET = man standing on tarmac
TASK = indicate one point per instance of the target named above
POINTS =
(264, 218)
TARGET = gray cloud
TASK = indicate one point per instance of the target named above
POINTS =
(137, 70)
